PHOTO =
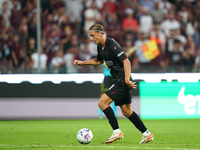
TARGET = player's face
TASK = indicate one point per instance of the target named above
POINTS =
(95, 36)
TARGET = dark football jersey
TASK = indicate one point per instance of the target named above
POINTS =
(113, 55)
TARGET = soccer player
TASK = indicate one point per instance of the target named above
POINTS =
(119, 92)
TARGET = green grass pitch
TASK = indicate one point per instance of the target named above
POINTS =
(61, 134)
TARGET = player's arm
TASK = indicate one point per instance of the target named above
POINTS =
(127, 72)
(88, 62)
(131, 50)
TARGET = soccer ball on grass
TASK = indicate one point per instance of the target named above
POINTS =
(84, 136)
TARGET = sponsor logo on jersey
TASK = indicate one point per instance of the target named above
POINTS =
(109, 63)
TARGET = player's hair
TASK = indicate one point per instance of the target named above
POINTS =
(97, 28)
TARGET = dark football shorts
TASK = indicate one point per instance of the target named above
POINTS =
(119, 92)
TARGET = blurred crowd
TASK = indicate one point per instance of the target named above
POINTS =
(173, 24)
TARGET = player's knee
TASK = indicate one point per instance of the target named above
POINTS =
(101, 105)
(126, 113)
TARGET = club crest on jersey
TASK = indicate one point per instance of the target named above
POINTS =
(115, 47)
(109, 63)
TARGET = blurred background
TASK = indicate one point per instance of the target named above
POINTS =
(173, 25)
(38, 46)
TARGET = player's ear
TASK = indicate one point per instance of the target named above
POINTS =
(100, 34)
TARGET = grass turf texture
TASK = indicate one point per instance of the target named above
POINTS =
(61, 134)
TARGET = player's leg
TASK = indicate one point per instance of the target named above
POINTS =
(135, 119)
(104, 105)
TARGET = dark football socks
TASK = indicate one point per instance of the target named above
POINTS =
(135, 119)
(111, 118)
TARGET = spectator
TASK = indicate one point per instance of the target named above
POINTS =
(57, 4)
(58, 18)
(170, 42)
(181, 38)
(157, 14)
(58, 63)
(197, 10)
(27, 10)
(147, 3)
(138, 13)
(23, 28)
(54, 27)
(189, 54)
(5, 43)
(183, 13)
(37, 58)
(197, 62)
(134, 5)
(158, 40)
(160, 63)
(69, 59)
(129, 23)
(156, 30)
(113, 28)
(92, 48)
(53, 43)
(143, 62)
(120, 7)
(74, 9)
(6, 13)
(46, 25)
(9, 3)
(18, 54)
(72, 43)
(108, 7)
(31, 48)
(176, 57)
(98, 3)
(83, 55)
(66, 31)
(145, 20)
(32, 28)
(46, 6)
(92, 15)
(16, 17)
(191, 28)
(169, 24)
(165, 6)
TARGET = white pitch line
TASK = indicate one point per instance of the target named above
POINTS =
(110, 147)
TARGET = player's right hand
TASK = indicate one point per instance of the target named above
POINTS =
(78, 62)
(132, 85)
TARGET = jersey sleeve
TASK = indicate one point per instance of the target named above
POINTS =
(119, 52)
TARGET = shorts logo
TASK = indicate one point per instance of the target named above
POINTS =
(113, 92)
(120, 54)
(115, 47)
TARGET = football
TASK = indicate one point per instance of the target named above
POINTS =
(84, 136)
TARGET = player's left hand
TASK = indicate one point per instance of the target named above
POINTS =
(131, 85)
